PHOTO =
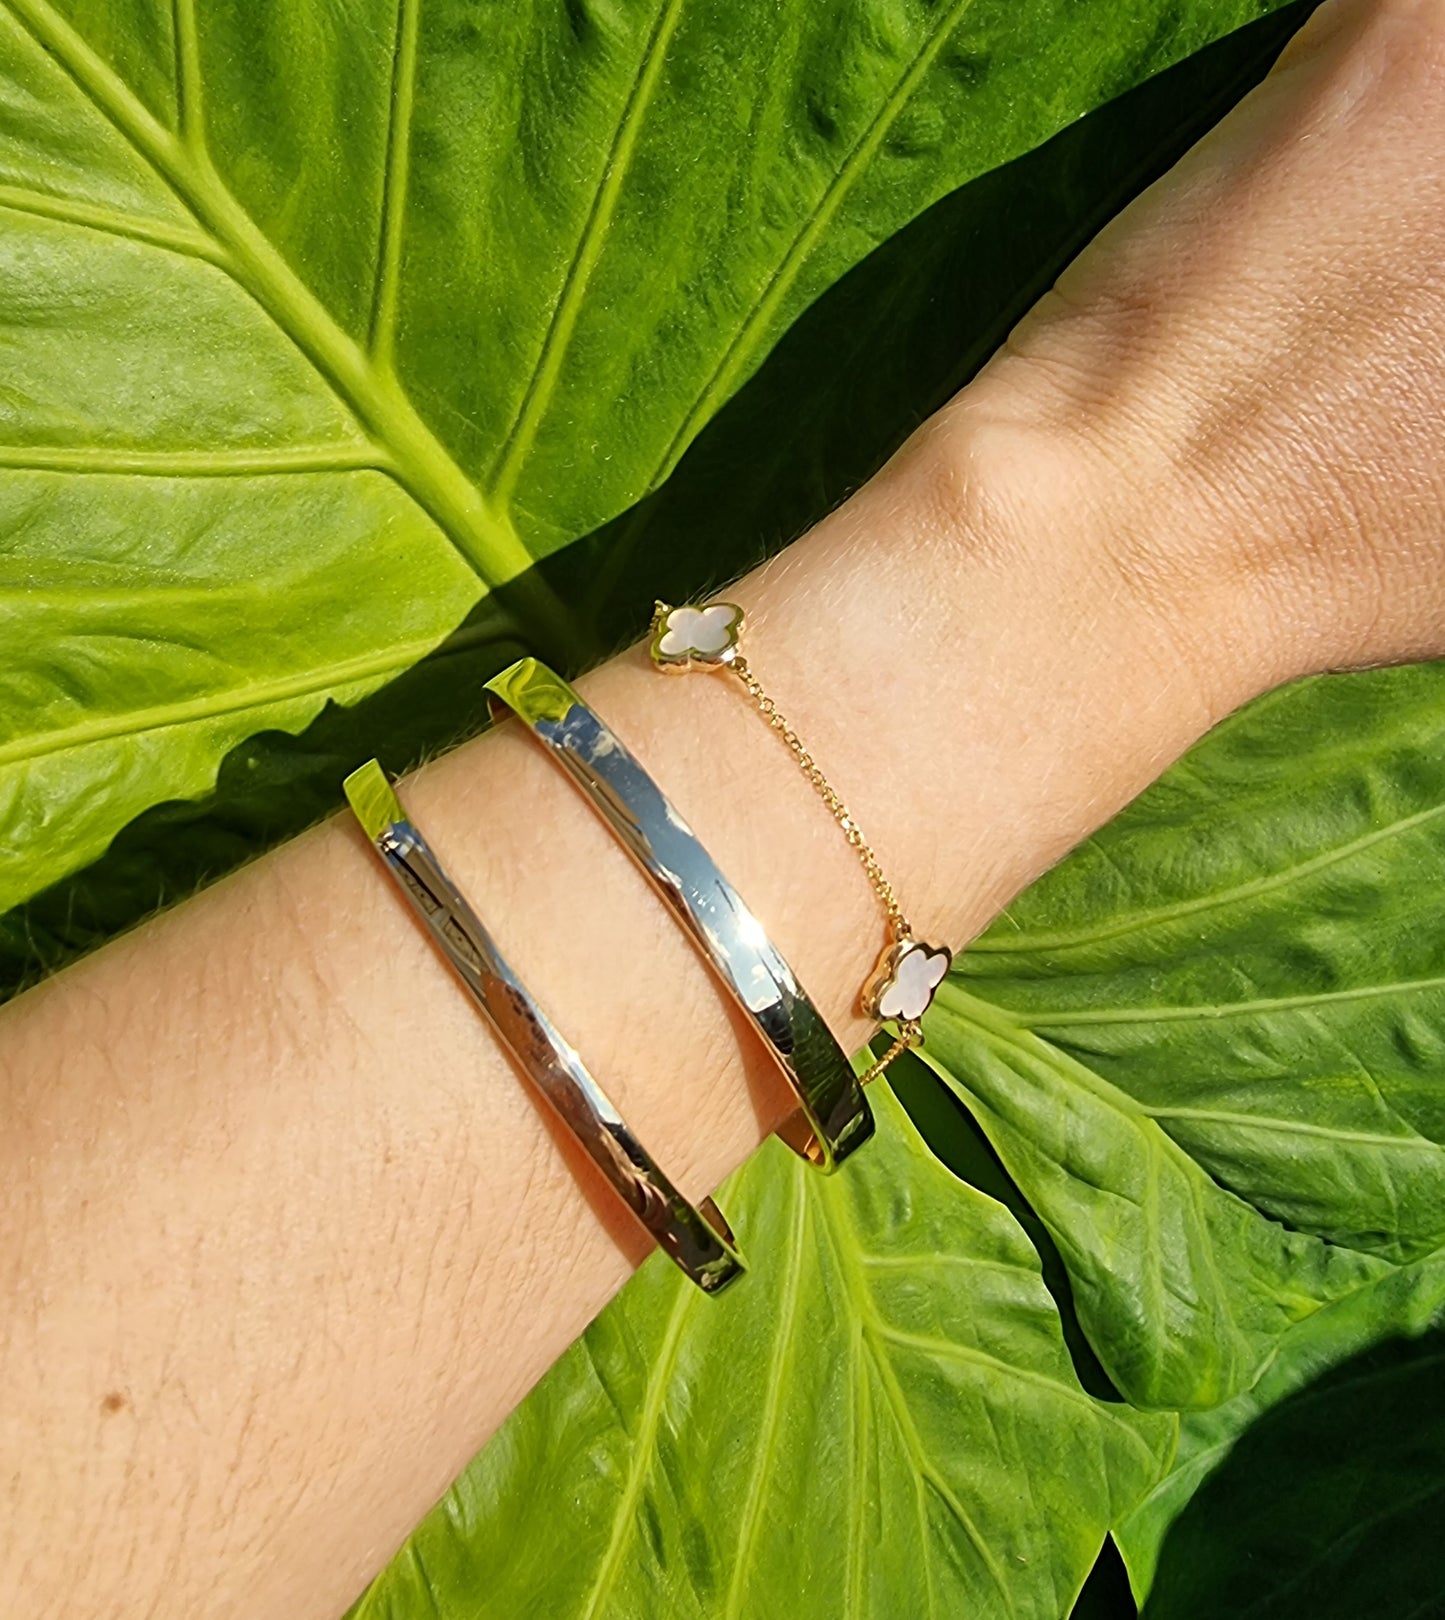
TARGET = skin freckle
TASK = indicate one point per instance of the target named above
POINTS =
(114, 1402)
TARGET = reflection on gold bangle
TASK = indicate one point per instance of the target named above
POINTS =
(696, 1239)
(833, 1118)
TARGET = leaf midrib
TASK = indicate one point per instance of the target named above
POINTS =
(770, 1421)
(415, 457)
(640, 1451)
(874, 1340)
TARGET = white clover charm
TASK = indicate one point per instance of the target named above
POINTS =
(902, 984)
(686, 636)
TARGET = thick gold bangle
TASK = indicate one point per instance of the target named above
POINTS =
(901, 984)
(833, 1118)
(696, 1239)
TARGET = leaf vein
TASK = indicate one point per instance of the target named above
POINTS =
(113, 222)
(875, 1332)
(386, 292)
(189, 116)
(1299, 1127)
(772, 1407)
(1065, 1018)
(737, 353)
(422, 466)
(210, 706)
(1137, 921)
(640, 1452)
(105, 460)
(565, 310)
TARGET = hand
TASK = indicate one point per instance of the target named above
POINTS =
(1242, 379)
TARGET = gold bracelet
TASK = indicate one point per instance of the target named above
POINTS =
(908, 971)
(833, 1118)
(695, 1238)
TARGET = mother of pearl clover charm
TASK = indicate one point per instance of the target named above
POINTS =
(688, 637)
(902, 984)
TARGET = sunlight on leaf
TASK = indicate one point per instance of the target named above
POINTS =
(903, 1432)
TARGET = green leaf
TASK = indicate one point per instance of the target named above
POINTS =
(1296, 1461)
(1251, 954)
(1207, 1049)
(1209, 1042)
(367, 319)
(1328, 1508)
(882, 1420)
(1182, 1288)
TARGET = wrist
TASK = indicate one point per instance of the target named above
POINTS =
(1158, 557)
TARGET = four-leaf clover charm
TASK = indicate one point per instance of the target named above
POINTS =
(684, 637)
(902, 984)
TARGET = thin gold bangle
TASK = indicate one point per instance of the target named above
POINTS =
(695, 1238)
(902, 982)
(833, 1118)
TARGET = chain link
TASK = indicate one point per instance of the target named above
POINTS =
(825, 790)
(910, 1034)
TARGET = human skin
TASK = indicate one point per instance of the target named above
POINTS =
(282, 1236)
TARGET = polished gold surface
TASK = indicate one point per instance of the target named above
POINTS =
(696, 1239)
(371, 797)
(834, 1116)
(710, 637)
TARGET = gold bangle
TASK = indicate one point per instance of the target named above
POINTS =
(833, 1118)
(901, 985)
(696, 1239)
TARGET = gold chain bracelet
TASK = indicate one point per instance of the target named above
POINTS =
(902, 983)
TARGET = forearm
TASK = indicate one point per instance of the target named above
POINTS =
(287, 1235)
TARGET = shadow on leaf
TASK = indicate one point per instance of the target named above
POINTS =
(1328, 1507)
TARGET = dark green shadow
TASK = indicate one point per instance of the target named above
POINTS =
(1330, 1507)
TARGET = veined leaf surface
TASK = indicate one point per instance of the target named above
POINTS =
(1404, 1304)
(1251, 954)
(339, 316)
(882, 1420)
(1209, 1049)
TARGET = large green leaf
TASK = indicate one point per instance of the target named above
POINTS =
(1208, 1049)
(883, 1421)
(1252, 954)
(355, 314)
(1182, 1288)
(1329, 1506)
(1269, 1481)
